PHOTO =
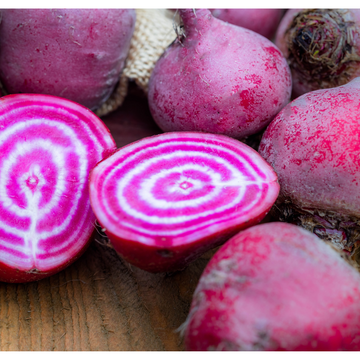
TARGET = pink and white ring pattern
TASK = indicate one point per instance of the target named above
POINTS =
(180, 187)
(48, 146)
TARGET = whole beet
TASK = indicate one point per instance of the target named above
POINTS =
(219, 78)
(322, 47)
(262, 21)
(273, 287)
(313, 145)
(77, 54)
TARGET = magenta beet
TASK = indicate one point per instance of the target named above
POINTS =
(275, 286)
(166, 199)
(77, 54)
(48, 146)
(218, 78)
(322, 47)
(262, 21)
(314, 146)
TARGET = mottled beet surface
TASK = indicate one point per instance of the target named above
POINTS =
(165, 200)
(218, 78)
(48, 146)
(262, 21)
(314, 147)
(77, 54)
(275, 286)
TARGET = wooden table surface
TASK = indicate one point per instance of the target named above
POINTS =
(100, 302)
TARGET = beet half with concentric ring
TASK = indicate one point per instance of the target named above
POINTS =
(48, 146)
(166, 199)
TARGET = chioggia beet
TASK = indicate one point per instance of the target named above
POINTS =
(76, 54)
(165, 200)
(262, 21)
(314, 147)
(48, 146)
(219, 78)
(322, 47)
(275, 286)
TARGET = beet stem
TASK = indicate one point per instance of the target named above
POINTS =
(195, 20)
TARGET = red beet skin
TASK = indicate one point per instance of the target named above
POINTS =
(77, 54)
(322, 47)
(218, 78)
(275, 286)
(166, 199)
(262, 21)
(314, 147)
(48, 146)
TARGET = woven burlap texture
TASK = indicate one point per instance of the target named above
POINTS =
(154, 32)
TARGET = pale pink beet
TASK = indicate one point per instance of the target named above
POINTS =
(165, 200)
(48, 146)
(262, 21)
(322, 47)
(314, 147)
(218, 78)
(76, 54)
(275, 286)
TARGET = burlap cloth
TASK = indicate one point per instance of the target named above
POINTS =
(154, 31)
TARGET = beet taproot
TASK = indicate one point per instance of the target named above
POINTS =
(165, 200)
(218, 78)
(76, 54)
(314, 147)
(275, 286)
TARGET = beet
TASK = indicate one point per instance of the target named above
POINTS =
(261, 21)
(218, 78)
(77, 54)
(275, 286)
(314, 147)
(322, 47)
(48, 146)
(165, 200)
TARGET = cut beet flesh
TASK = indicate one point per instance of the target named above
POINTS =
(48, 146)
(166, 199)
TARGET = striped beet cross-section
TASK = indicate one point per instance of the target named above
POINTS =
(179, 188)
(48, 146)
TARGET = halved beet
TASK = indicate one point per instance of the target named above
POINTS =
(166, 199)
(48, 146)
